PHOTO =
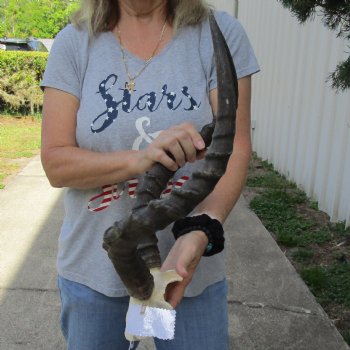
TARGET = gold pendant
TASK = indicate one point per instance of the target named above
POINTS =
(130, 85)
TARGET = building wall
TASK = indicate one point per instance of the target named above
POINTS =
(225, 5)
(300, 124)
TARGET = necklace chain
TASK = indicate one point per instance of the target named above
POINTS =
(131, 84)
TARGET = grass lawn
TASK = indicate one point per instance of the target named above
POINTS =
(318, 249)
(19, 141)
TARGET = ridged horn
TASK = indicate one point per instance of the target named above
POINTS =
(131, 243)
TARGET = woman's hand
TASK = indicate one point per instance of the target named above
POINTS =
(184, 257)
(174, 147)
(67, 165)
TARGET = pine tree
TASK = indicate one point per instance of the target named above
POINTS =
(336, 16)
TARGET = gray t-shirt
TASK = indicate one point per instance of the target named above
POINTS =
(174, 88)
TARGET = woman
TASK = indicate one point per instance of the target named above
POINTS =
(129, 85)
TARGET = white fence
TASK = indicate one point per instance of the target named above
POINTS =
(300, 124)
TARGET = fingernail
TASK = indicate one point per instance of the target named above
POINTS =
(200, 144)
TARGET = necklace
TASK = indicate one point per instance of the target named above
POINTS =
(130, 85)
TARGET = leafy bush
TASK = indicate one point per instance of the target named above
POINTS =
(19, 82)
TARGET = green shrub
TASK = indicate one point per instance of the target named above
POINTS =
(21, 73)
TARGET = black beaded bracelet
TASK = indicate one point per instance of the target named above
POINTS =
(211, 227)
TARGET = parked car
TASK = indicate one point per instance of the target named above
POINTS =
(12, 44)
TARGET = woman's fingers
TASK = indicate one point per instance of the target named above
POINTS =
(184, 257)
(175, 150)
(176, 146)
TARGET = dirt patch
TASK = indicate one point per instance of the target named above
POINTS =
(15, 166)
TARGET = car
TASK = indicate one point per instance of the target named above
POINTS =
(30, 44)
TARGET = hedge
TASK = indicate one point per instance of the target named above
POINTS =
(21, 73)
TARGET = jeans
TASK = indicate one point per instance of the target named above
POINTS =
(93, 321)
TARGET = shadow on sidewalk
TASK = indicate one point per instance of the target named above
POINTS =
(29, 299)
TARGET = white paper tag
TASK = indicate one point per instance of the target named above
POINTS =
(146, 321)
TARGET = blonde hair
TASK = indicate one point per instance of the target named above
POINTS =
(103, 15)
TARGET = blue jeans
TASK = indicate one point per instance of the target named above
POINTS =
(93, 321)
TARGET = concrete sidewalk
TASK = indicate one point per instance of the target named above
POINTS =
(270, 306)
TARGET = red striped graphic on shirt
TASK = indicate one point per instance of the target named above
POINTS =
(112, 193)
(103, 200)
(132, 184)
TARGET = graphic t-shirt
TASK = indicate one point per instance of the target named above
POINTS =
(174, 88)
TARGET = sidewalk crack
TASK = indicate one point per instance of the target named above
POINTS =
(30, 289)
(281, 307)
